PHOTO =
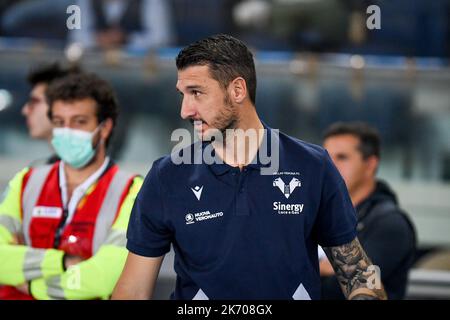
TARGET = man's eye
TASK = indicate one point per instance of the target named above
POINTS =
(196, 93)
(80, 122)
(342, 157)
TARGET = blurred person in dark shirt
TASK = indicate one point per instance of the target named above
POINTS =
(135, 24)
(384, 230)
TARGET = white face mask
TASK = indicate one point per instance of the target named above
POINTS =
(73, 146)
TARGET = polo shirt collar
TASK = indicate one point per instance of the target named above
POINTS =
(222, 168)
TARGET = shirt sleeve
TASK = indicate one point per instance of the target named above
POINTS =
(20, 263)
(148, 232)
(336, 220)
(10, 209)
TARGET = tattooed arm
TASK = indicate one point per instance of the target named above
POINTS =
(353, 272)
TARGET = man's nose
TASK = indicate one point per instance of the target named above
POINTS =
(25, 109)
(187, 109)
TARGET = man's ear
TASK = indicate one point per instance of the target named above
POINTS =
(106, 129)
(238, 90)
(372, 164)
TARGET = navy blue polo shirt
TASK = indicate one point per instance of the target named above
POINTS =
(239, 234)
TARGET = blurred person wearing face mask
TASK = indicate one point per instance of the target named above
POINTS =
(71, 215)
(36, 108)
(385, 231)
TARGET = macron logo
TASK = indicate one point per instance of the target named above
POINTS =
(197, 191)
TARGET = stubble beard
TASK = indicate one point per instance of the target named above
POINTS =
(227, 119)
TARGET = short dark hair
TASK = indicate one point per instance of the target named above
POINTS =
(227, 58)
(50, 72)
(81, 86)
(368, 136)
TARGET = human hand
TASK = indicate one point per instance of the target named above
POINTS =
(24, 288)
(71, 260)
(17, 239)
(14, 240)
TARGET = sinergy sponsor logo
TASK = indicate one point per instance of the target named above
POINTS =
(288, 208)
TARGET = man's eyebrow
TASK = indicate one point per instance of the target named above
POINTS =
(76, 116)
(191, 87)
(195, 86)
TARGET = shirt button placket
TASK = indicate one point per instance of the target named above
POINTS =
(242, 208)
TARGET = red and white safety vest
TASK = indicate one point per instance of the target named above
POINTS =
(44, 219)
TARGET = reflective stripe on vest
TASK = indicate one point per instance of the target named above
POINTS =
(107, 212)
(31, 195)
(109, 208)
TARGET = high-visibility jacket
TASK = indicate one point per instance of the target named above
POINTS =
(32, 213)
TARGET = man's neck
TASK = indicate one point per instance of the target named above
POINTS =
(75, 177)
(238, 152)
(363, 192)
(50, 146)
